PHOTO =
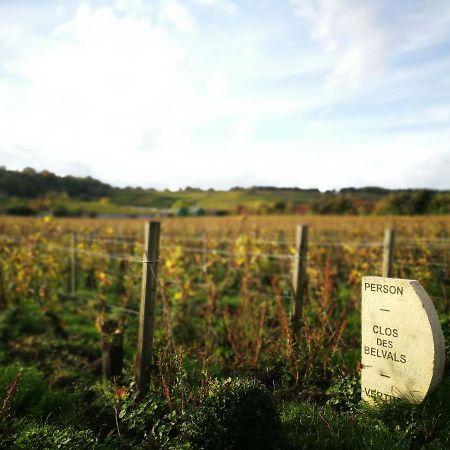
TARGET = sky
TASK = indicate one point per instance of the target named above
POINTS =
(220, 93)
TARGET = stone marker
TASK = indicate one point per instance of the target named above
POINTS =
(402, 340)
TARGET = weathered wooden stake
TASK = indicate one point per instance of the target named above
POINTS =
(112, 354)
(147, 308)
(388, 252)
(299, 277)
(73, 264)
(204, 252)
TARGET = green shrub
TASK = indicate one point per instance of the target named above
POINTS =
(145, 422)
(345, 394)
(236, 414)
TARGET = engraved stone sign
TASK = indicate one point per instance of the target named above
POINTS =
(402, 340)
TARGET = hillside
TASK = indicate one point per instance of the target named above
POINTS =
(29, 192)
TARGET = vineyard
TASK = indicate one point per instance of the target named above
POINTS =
(228, 371)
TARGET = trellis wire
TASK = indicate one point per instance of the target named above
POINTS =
(107, 305)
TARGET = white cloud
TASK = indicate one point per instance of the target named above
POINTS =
(426, 25)
(174, 13)
(9, 34)
(144, 93)
(352, 32)
(104, 86)
(131, 6)
(221, 5)
(96, 88)
(363, 37)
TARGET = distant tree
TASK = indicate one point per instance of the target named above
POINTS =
(197, 211)
(373, 191)
(440, 203)
(182, 212)
(395, 203)
(421, 200)
(333, 204)
(61, 211)
(279, 207)
(364, 206)
(21, 211)
(408, 202)
(30, 184)
(222, 212)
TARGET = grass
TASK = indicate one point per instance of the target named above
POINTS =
(306, 426)
(393, 425)
(43, 416)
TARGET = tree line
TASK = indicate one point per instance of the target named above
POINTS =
(29, 184)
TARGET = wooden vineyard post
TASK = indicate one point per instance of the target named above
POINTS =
(73, 263)
(147, 308)
(112, 354)
(299, 277)
(204, 253)
(388, 252)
